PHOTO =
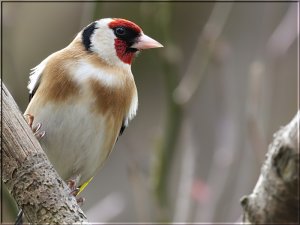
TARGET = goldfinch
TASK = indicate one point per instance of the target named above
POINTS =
(84, 96)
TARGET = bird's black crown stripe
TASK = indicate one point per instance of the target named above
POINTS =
(86, 35)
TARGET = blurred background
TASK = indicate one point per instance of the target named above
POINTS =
(209, 101)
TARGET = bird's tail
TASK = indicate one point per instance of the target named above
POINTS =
(84, 185)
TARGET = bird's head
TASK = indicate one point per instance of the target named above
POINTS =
(117, 41)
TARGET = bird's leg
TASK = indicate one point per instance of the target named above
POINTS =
(80, 200)
(73, 187)
(35, 129)
(72, 184)
(30, 119)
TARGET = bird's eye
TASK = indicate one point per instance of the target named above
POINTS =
(120, 31)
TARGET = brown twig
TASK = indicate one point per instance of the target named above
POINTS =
(275, 198)
(28, 174)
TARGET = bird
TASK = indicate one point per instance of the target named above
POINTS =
(84, 96)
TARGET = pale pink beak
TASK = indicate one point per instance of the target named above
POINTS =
(145, 42)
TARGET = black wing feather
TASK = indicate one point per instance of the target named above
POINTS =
(122, 129)
(34, 90)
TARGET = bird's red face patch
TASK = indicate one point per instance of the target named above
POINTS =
(122, 53)
(126, 33)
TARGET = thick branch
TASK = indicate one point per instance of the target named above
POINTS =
(28, 174)
(275, 198)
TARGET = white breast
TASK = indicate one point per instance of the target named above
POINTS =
(74, 140)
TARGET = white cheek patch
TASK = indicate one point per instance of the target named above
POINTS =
(102, 41)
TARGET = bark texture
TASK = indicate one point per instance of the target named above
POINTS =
(275, 198)
(28, 174)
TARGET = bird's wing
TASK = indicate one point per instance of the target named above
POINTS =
(35, 78)
(124, 125)
(131, 114)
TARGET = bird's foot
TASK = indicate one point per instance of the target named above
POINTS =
(74, 191)
(35, 129)
(73, 187)
(80, 200)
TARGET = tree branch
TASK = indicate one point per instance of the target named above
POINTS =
(275, 198)
(28, 174)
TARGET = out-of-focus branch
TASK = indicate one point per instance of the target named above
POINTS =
(256, 138)
(165, 154)
(203, 53)
(28, 174)
(187, 173)
(285, 33)
(179, 93)
(275, 198)
(224, 159)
